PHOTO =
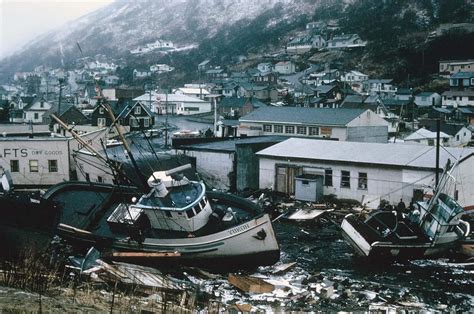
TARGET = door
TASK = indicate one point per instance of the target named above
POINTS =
(285, 178)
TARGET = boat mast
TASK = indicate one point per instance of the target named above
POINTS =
(438, 127)
(116, 123)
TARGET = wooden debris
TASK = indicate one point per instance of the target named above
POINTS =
(250, 284)
(283, 268)
(243, 307)
(308, 214)
(145, 254)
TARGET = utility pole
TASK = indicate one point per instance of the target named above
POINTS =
(60, 96)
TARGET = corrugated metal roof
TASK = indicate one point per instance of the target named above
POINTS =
(316, 116)
(402, 155)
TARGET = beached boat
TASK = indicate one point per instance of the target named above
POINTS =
(430, 228)
(177, 220)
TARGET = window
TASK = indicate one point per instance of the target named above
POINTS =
(146, 122)
(101, 110)
(138, 110)
(362, 185)
(33, 165)
(278, 128)
(14, 166)
(301, 130)
(53, 165)
(328, 177)
(313, 130)
(36, 116)
(41, 104)
(289, 129)
(99, 179)
(267, 128)
(100, 121)
(190, 213)
(133, 122)
(345, 179)
(88, 178)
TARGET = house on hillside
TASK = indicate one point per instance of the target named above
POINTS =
(175, 104)
(285, 67)
(367, 172)
(449, 67)
(261, 92)
(461, 80)
(140, 74)
(265, 78)
(381, 87)
(427, 99)
(346, 41)
(457, 98)
(338, 124)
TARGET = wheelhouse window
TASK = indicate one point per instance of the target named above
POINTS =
(278, 128)
(34, 166)
(53, 165)
(362, 183)
(190, 213)
(267, 128)
(14, 166)
(328, 177)
(345, 179)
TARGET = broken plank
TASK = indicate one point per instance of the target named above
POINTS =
(145, 254)
(250, 284)
(283, 267)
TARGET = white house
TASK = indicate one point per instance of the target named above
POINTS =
(427, 137)
(428, 99)
(346, 41)
(380, 87)
(366, 172)
(161, 68)
(265, 67)
(339, 124)
(457, 98)
(196, 92)
(285, 67)
(34, 112)
(140, 74)
(174, 104)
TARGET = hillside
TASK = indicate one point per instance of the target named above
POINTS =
(222, 30)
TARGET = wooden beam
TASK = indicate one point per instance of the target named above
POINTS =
(250, 284)
(145, 254)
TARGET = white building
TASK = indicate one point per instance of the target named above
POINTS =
(458, 98)
(428, 99)
(35, 111)
(197, 92)
(285, 67)
(174, 104)
(367, 172)
(340, 124)
(44, 159)
(427, 137)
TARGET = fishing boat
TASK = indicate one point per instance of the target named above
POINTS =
(177, 220)
(430, 228)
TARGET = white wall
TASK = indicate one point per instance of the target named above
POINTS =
(41, 150)
(214, 166)
(391, 184)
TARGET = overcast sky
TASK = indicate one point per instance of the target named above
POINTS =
(23, 20)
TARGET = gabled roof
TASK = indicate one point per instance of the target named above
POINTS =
(403, 91)
(395, 102)
(315, 116)
(424, 134)
(447, 128)
(126, 111)
(325, 88)
(381, 81)
(390, 154)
